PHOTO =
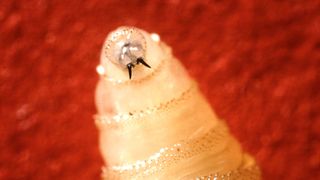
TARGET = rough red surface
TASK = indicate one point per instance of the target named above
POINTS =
(258, 62)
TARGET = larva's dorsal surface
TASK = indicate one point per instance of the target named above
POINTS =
(153, 121)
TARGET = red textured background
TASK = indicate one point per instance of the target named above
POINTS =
(258, 62)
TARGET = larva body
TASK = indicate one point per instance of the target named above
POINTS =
(157, 125)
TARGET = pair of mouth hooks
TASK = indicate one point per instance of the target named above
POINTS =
(131, 81)
(131, 65)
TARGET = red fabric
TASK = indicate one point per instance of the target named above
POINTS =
(258, 62)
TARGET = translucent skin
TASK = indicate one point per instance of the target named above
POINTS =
(182, 114)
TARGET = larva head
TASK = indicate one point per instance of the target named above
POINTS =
(126, 47)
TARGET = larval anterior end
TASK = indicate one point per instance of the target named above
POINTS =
(125, 49)
(158, 125)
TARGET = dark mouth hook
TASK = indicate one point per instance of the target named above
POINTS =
(140, 60)
(130, 66)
